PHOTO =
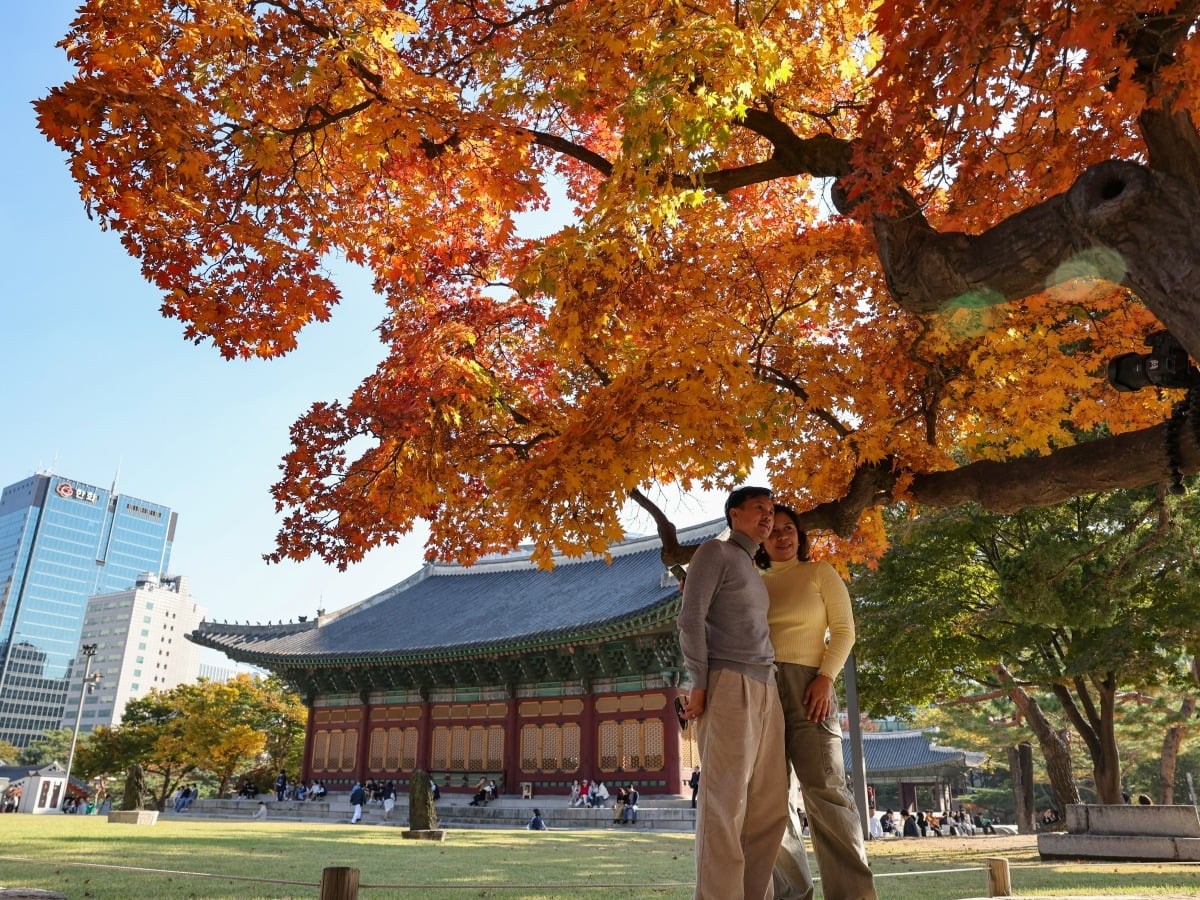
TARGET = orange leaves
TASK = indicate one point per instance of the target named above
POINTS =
(654, 330)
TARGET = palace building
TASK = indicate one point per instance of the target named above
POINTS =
(501, 670)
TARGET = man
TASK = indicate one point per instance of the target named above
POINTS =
(629, 814)
(389, 800)
(694, 784)
(357, 798)
(734, 701)
(280, 786)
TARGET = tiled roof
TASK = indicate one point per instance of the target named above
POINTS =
(500, 602)
(900, 753)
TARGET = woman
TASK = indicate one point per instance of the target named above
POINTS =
(809, 600)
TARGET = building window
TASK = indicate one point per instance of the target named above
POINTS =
(631, 746)
(550, 748)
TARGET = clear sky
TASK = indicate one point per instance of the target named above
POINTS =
(96, 382)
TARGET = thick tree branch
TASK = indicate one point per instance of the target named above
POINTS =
(1120, 221)
(1128, 460)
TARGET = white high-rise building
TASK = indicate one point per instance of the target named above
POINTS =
(139, 645)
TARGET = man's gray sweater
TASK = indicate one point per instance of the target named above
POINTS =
(723, 620)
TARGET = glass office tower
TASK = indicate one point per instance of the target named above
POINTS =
(62, 541)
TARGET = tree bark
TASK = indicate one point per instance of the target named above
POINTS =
(1020, 764)
(1097, 728)
(1120, 221)
(1129, 460)
(1055, 744)
(1172, 742)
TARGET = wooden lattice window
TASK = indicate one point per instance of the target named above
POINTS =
(379, 738)
(610, 746)
(408, 756)
(531, 740)
(495, 747)
(570, 748)
(395, 747)
(458, 748)
(320, 753)
(653, 752)
(689, 751)
(440, 755)
(631, 745)
(334, 759)
(349, 748)
(476, 739)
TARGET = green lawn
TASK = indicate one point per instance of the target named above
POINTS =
(499, 864)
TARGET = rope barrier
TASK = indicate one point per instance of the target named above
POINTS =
(506, 887)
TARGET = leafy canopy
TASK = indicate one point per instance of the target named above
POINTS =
(701, 301)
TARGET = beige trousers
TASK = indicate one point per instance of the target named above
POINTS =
(742, 805)
(814, 750)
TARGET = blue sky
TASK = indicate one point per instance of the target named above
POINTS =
(96, 381)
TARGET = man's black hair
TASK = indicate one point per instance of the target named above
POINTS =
(740, 495)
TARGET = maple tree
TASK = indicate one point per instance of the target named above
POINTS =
(886, 248)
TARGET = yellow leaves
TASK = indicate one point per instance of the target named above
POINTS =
(653, 330)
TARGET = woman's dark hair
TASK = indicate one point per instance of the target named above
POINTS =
(763, 561)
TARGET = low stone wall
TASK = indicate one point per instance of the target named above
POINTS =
(507, 812)
(1126, 832)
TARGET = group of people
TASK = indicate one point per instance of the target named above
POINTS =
(285, 789)
(918, 823)
(183, 797)
(764, 632)
(625, 809)
(588, 793)
(486, 790)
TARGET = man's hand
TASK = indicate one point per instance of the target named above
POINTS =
(694, 705)
(818, 698)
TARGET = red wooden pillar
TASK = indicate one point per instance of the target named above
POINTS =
(310, 733)
(512, 744)
(363, 754)
(425, 736)
(589, 738)
(672, 763)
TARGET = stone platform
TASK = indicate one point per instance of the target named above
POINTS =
(1123, 832)
(668, 813)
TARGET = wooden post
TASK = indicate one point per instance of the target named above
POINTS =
(999, 883)
(339, 883)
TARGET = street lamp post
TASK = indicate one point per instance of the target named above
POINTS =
(87, 686)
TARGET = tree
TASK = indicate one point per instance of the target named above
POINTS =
(1014, 201)
(222, 728)
(217, 726)
(1081, 599)
(281, 716)
(53, 745)
(151, 737)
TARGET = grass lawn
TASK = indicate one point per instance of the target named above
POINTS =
(486, 863)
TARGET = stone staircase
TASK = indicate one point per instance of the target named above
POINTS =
(657, 814)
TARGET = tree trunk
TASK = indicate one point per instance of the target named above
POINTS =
(1020, 764)
(1055, 744)
(1173, 742)
(1106, 761)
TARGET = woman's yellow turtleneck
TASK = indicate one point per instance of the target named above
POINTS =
(809, 599)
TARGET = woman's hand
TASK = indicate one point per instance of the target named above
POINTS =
(818, 698)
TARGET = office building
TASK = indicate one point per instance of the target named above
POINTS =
(139, 645)
(61, 542)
